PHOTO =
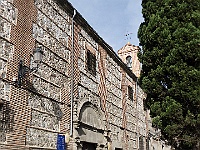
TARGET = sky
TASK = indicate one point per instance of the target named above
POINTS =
(116, 21)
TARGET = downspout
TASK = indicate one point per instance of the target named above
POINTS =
(72, 76)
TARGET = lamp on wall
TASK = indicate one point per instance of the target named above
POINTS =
(23, 70)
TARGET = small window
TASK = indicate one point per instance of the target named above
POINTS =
(130, 92)
(91, 63)
(129, 62)
(141, 143)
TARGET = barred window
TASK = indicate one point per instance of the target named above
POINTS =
(147, 144)
(141, 143)
(91, 63)
(130, 92)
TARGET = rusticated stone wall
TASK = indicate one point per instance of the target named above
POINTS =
(130, 113)
(39, 107)
(114, 101)
(88, 83)
(8, 18)
(50, 84)
(142, 128)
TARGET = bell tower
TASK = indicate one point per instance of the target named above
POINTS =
(128, 54)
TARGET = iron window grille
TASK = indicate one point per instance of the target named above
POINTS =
(130, 92)
(141, 143)
(91, 63)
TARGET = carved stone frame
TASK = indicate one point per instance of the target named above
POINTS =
(79, 125)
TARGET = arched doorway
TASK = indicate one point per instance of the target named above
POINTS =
(91, 127)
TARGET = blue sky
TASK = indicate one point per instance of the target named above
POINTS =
(112, 19)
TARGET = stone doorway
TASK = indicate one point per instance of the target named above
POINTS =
(90, 129)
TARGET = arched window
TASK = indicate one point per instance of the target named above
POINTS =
(129, 61)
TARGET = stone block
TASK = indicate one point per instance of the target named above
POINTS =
(8, 11)
(40, 138)
(5, 28)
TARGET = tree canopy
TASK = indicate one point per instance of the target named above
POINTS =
(170, 57)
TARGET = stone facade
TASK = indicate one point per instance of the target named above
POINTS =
(63, 96)
(8, 17)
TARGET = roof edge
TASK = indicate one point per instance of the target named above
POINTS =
(82, 22)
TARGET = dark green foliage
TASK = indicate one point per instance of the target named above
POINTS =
(170, 40)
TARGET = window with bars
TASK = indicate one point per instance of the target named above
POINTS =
(141, 143)
(130, 92)
(147, 144)
(91, 63)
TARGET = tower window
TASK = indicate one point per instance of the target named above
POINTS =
(130, 92)
(91, 63)
(129, 61)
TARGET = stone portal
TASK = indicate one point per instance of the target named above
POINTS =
(91, 128)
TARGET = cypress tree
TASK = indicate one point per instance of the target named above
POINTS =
(170, 57)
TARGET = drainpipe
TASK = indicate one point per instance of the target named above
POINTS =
(72, 76)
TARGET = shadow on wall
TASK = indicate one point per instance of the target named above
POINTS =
(6, 119)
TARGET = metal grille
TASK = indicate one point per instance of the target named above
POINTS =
(130, 92)
(141, 143)
(91, 63)
(147, 144)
